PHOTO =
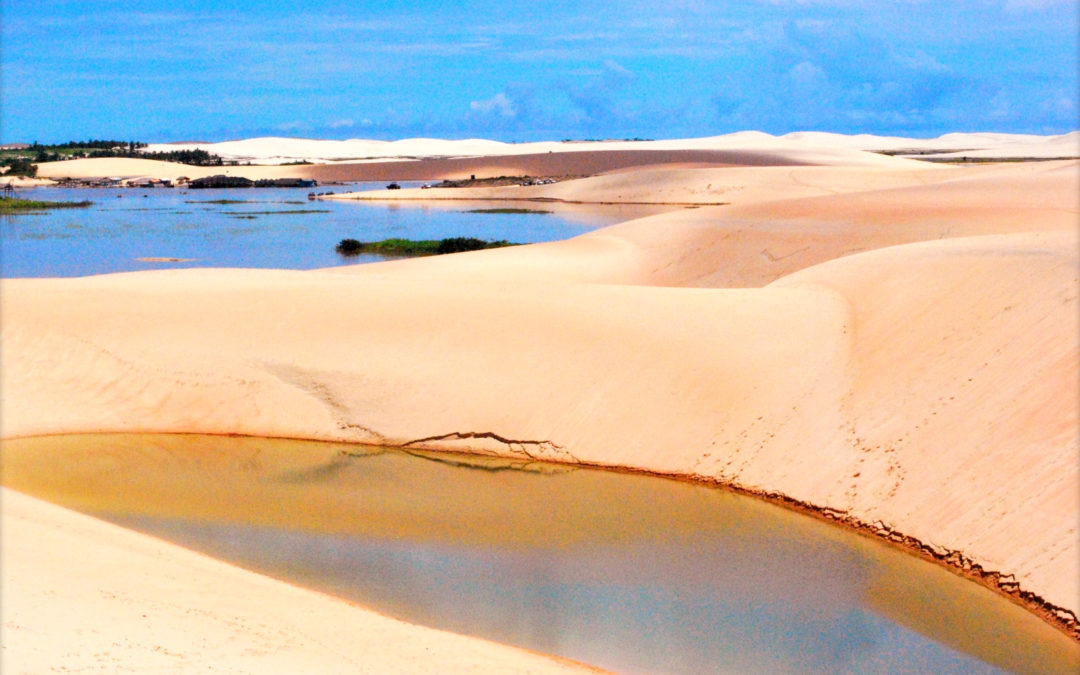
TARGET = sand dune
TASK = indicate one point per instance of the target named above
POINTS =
(566, 163)
(276, 150)
(899, 344)
(428, 159)
(1053, 147)
(689, 184)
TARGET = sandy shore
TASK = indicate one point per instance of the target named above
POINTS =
(24, 182)
(139, 604)
(892, 342)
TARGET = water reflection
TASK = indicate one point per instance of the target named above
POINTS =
(587, 215)
(129, 230)
(627, 572)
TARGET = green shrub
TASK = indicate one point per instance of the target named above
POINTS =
(349, 247)
(413, 247)
(459, 244)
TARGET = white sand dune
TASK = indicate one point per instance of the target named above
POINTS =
(899, 344)
(988, 142)
(1037, 147)
(276, 150)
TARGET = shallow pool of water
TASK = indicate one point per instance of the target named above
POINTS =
(627, 572)
(131, 229)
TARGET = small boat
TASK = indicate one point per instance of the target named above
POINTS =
(311, 196)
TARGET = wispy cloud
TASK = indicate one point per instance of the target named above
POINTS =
(598, 69)
(499, 104)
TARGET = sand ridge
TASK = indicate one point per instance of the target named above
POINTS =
(274, 150)
(427, 159)
(898, 345)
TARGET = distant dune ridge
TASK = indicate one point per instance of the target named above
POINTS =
(892, 341)
(273, 150)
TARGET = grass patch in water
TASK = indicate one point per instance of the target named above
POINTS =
(13, 205)
(417, 247)
(285, 212)
(220, 201)
(508, 211)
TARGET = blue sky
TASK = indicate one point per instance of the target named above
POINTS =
(537, 70)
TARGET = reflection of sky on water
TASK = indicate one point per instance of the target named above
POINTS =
(730, 585)
(630, 609)
(271, 228)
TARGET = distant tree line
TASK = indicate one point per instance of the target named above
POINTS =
(193, 157)
(37, 153)
(132, 146)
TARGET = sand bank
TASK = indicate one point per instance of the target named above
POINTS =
(135, 603)
(901, 352)
(24, 182)
(687, 184)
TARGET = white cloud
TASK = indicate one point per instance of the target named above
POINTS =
(342, 123)
(498, 104)
(616, 68)
(806, 74)
(293, 127)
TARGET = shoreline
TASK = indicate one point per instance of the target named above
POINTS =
(535, 200)
(1004, 585)
(230, 617)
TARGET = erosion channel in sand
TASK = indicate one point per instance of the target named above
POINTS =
(627, 572)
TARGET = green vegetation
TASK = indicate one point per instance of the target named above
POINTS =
(190, 157)
(275, 213)
(412, 247)
(91, 145)
(18, 166)
(509, 211)
(222, 201)
(10, 206)
(36, 153)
